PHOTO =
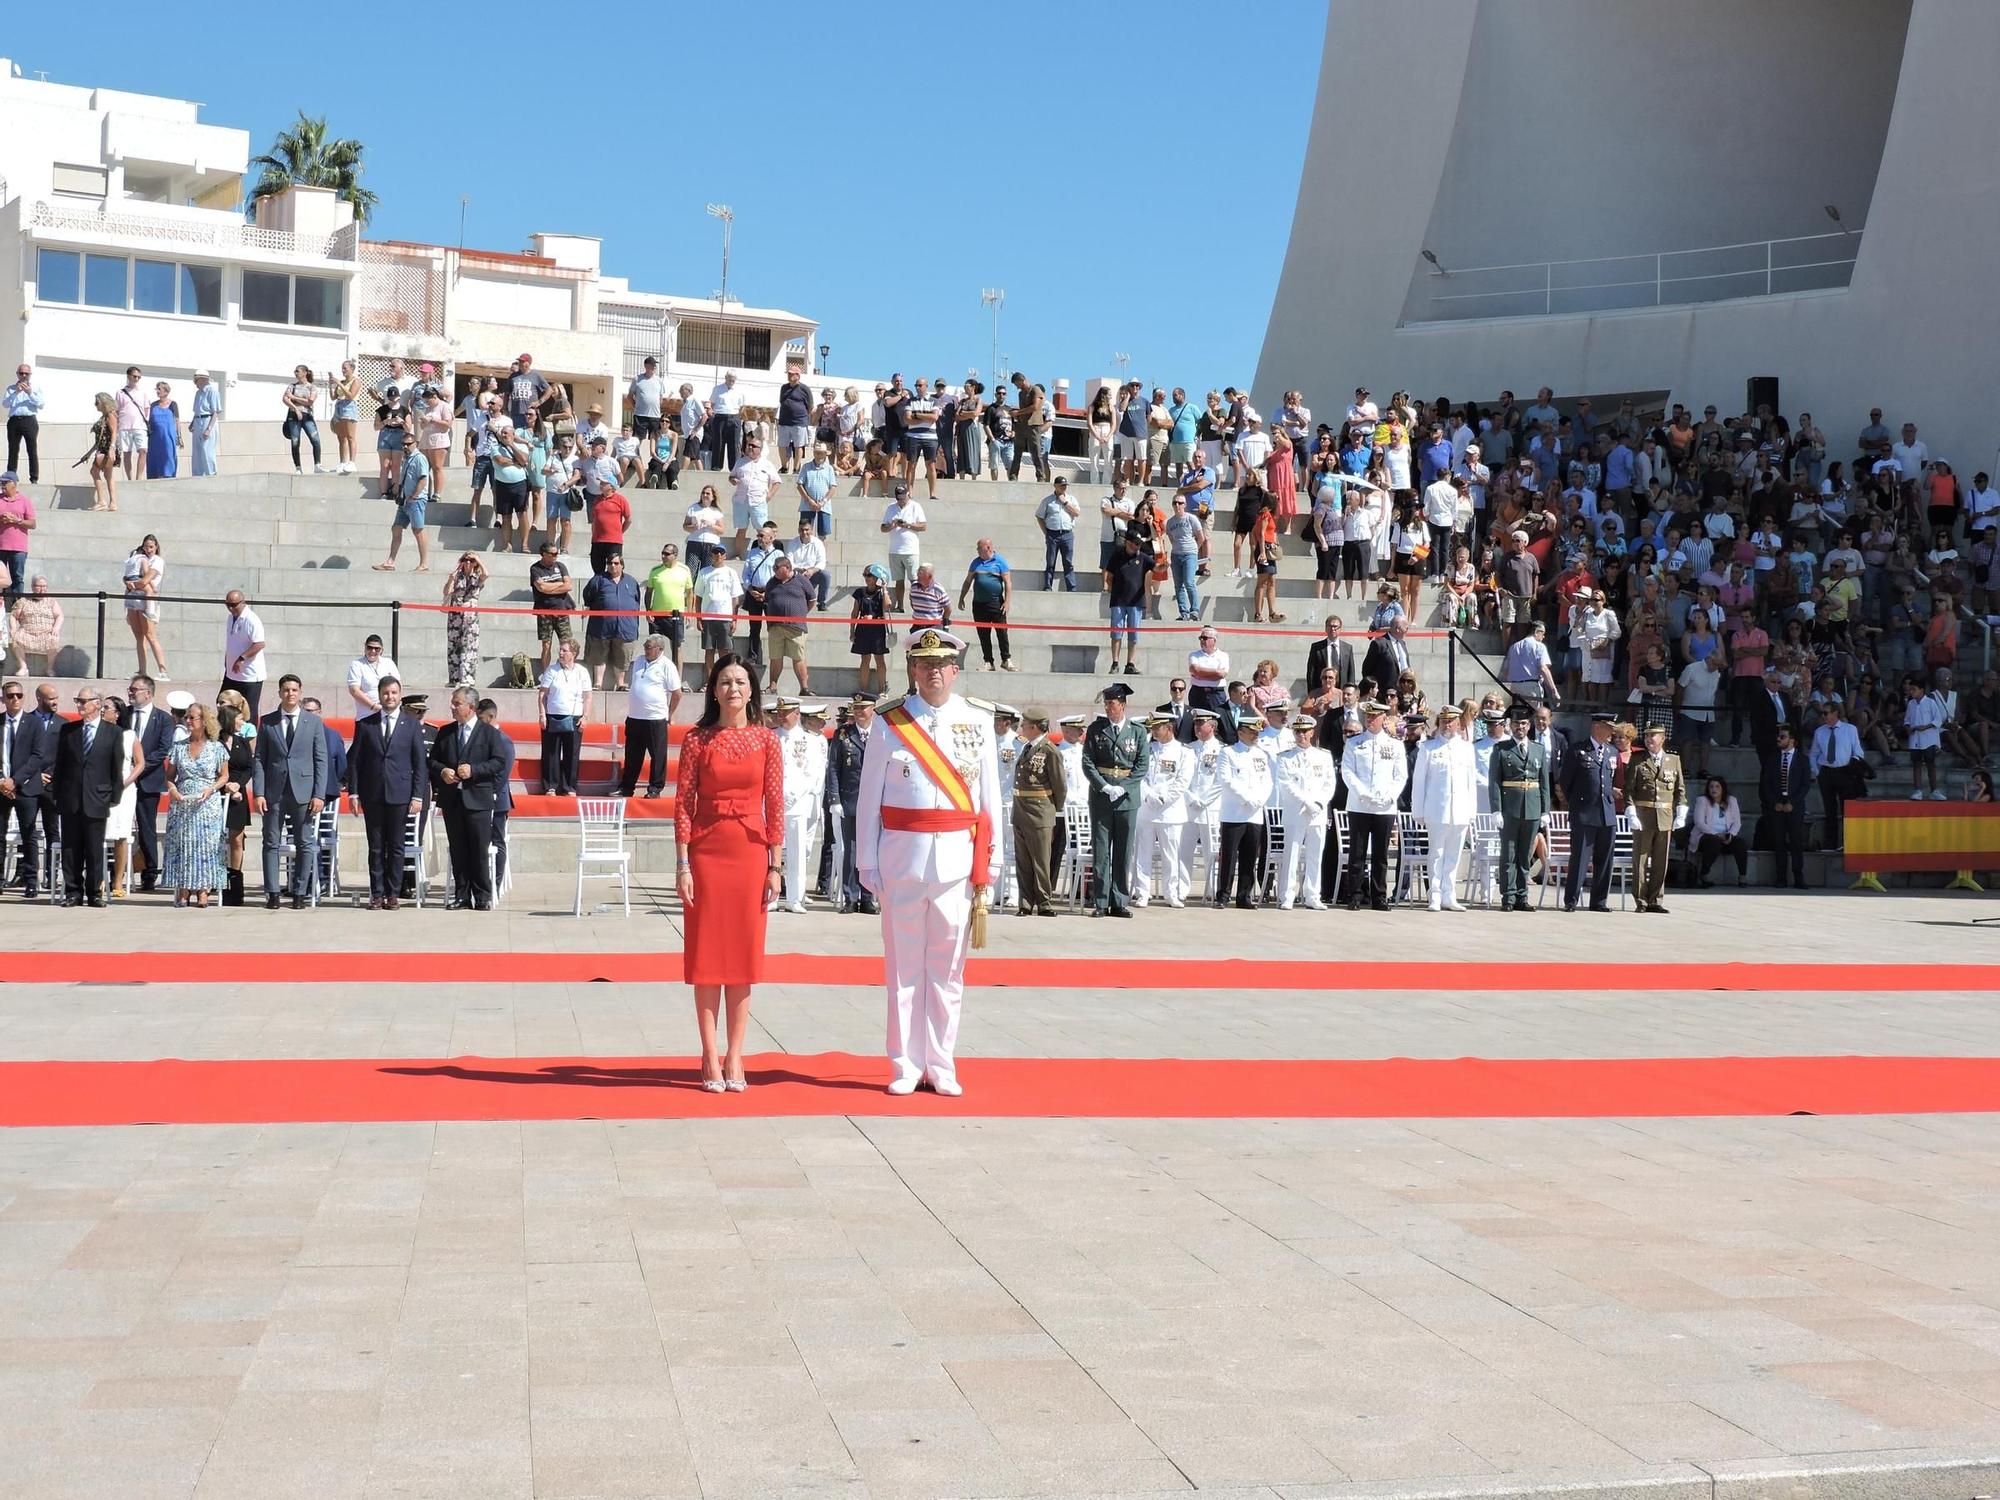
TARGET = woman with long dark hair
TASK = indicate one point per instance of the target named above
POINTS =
(729, 836)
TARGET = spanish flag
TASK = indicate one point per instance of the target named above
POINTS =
(1921, 836)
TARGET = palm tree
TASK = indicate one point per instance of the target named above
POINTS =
(304, 155)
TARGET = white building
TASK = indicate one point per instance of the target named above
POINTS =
(697, 340)
(1623, 199)
(130, 248)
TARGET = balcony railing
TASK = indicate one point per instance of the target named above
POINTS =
(212, 231)
(1667, 278)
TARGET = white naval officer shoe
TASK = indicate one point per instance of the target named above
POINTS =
(1315, 906)
(797, 906)
(1177, 905)
(901, 1086)
(1456, 906)
(946, 1085)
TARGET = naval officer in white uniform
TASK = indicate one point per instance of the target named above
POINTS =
(923, 843)
(805, 784)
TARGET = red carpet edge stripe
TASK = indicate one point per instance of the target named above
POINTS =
(177, 967)
(172, 1091)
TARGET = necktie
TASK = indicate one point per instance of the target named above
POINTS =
(13, 724)
(291, 727)
(464, 737)
(388, 728)
(89, 735)
(1785, 771)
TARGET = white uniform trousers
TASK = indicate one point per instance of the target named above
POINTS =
(1305, 847)
(1447, 848)
(926, 930)
(800, 837)
(1205, 838)
(837, 861)
(1007, 890)
(1173, 843)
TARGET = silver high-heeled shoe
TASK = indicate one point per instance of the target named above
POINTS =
(736, 1085)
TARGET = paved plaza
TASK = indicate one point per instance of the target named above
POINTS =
(1802, 1307)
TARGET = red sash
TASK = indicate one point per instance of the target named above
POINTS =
(944, 775)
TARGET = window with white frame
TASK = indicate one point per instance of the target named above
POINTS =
(128, 283)
(302, 301)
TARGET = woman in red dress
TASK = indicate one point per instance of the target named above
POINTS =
(729, 836)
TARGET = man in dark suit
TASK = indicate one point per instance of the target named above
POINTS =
(27, 768)
(466, 767)
(1387, 659)
(290, 778)
(1767, 709)
(386, 769)
(89, 778)
(1590, 785)
(1554, 743)
(336, 751)
(1180, 710)
(154, 727)
(1333, 652)
(1782, 793)
(503, 793)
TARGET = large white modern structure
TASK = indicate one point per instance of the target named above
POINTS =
(1617, 197)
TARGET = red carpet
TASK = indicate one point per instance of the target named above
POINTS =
(472, 967)
(542, 1088)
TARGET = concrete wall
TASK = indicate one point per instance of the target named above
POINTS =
(1912, 332)
(482, 298)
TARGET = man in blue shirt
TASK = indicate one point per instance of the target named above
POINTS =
(23, 400)
(1435, 458)
(1619, 465)
(413, 493)
(815, 486)
(990, 582)
(760, 562)
(608, 638)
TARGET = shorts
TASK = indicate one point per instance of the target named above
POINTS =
(560, 508)
(411, 514)
(715, 635)
(1924, 757)
(438, 441)
(1692, 731)
(822, 521)
(794, 437)
(388, 440)
(1180, 453)
(749, 515)
(925, 448)
(510, 498)
(1246, 519)
(609, 651)
(903, 567)
(552, 626)
(346, 411)
(1126, 617)
(133, 441)
(1515, 609)
(645, 427)
(893, 443)
(1156, 448)
(788, 643)
(1266, 566)
(1128, 447)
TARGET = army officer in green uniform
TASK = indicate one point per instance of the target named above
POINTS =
(1114, 763)
(1518, 790)
(1040, 789)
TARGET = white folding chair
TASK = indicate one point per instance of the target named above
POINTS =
(329, 849)
(1074, 878)
(1555, 832)
(1274, 854)
(601, 827)
(1621, 858)
(1482, 878)
(1339, 834)
(419, 850)
(1413, 858)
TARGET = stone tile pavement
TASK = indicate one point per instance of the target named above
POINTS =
(1752, 1308)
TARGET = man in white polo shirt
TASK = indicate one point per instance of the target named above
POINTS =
(655, 693)
(365, 673)
(243, 664)
(725, 423)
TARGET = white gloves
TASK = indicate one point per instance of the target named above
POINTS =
(1114, 794)
(1680, 817)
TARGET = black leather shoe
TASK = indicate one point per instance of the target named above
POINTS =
(99, 901)
(454, 904)
(479, 905)
(1524, 907)
(1594, 906)
(1121, 911)
(1659, 910)
(298, 903)
(271, 901)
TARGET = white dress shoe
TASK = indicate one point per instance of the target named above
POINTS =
(901, 1086)
(1456, 906)
(797, 906)
(1436, 907)
(1177, 905)
(1315, 906)
(946, 1086)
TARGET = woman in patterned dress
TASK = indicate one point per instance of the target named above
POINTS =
(197, 772)
(729, 836)
(461, 627)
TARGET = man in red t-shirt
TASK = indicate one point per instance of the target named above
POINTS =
(1749, 647)
(610, 514)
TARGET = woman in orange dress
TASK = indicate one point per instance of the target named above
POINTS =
(729, 836)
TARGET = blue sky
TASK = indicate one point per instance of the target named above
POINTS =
(1048, 149)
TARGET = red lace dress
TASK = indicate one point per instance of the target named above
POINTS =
(729, 812)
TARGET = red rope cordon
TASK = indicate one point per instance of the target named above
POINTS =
(1101, 627)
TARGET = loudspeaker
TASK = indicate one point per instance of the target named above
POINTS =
(1760, 391)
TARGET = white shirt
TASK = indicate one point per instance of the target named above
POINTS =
(904, 543)
(243, 631)
(1708, 818)
(725, 400)
(1375, 768)
(1445, 782)
(1306, 781)
(1698, 684)
(754, 478)
(691, 414)
(1441, 502)
(1167, 793)
(1922, 718)
(1253, 448)
(653, 685)
(1210, 665)
(367, 676)
(717, 589)
(1910, 458)
(1835, 744)
(806, 552)
(564, 692)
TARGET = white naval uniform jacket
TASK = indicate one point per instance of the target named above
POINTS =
(805, 770)
(1375, 767)
(1306, 779)
(1245, 774)
(891, 776)
(1074, 784)
(1009, 751)
(1206, 786)
(1167, 794)
(1444, 785)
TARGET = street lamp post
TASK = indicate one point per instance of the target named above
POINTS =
(995, 298)
(727, 214)
(824, 351)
